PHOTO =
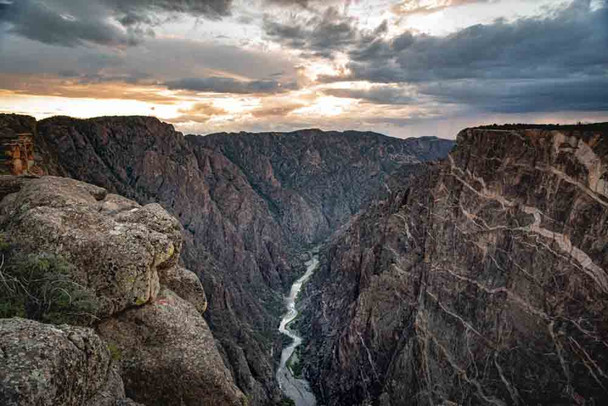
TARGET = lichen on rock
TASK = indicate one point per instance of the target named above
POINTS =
(47, 365)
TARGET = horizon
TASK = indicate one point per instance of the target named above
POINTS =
(402, 68)
(551, 126)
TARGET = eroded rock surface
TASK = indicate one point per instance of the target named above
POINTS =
(484, 282)
(118, 255)
(168, 355)
(150, 342)
(47, 365)
(315, 181)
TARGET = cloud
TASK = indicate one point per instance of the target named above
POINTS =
(524, 96)
(217, 84)
(320, 35)
(75, 87)
(142, 66)
(376, 94)
(276, 110)
(198, 113)
(501, 60)
(114, 23)
(61, 26)
(306, 4)
(410, 7)
(213, 9)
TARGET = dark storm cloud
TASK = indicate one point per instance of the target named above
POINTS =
(574, 41)
(537, 95)
(376, 95)
(204, 8)
(105, 22)
(532, 64)
(228, 85)
(59, 25)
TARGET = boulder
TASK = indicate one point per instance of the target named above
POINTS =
(124, 253)
(118, 248)
(168, 355)
(43, 364)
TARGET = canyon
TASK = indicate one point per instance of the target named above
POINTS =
(250, 205)
(473, 277)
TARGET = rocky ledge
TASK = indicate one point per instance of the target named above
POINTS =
(135, 340)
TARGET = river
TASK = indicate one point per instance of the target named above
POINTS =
(296, 389)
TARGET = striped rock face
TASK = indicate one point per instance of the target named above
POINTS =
(483, 282)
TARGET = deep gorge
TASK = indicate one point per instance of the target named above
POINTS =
(478, 278)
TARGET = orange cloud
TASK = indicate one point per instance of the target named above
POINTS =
(198, 113)
(45, 85)
(410, 7)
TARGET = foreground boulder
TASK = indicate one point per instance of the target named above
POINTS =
(43, 364)
(146, 335)
(169, 355)
(117, 253)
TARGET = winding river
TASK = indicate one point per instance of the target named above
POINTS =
(296, 389)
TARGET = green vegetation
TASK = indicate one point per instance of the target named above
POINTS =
(287, 402)
(295, 365)
(115, 352)
(39, 287)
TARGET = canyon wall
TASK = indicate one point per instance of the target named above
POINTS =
(247, 207)
(315, 181)
(483, 282)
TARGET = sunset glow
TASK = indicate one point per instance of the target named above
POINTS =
(399, 67)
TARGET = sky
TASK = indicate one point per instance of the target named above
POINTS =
(399, 67)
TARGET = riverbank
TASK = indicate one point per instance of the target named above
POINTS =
(294, 388)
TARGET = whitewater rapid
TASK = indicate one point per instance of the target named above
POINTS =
(296, 389)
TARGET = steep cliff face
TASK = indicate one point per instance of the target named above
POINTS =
(483, 282)
(242, 228)
(314, 181)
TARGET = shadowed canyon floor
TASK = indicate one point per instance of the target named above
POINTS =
(295, 388)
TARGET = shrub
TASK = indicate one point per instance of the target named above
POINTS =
(115, 352)
(39, 287)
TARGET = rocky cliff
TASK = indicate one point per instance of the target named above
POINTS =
(314, 181)
(73, 253)
(246, 210)
(483, 282)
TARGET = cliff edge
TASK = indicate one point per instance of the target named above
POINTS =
(114, 318)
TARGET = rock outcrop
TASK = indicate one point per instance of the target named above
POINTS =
(47, 365)
(168, 355)
(17, 145)
(127, 256)
(483, 282)
(242, 228)
(117, 253)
